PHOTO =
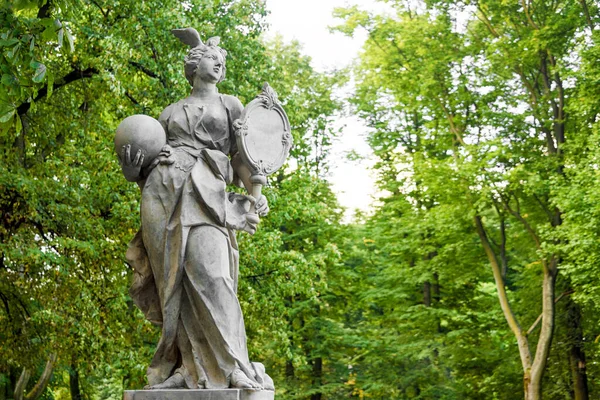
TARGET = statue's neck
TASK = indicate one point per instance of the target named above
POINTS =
(202, 90)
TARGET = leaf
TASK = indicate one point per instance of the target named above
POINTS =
(7, 79)
(48, 33)
(18, 123)
(8, 42)
(14, 51)
(61, 33)
(71, 40)
(40, 73)
(6, 112)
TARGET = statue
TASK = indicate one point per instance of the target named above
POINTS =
(185, 255)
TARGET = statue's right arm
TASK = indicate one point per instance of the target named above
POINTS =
(131, 164)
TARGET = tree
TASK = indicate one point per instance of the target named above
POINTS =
(290, 260)
(483, 131)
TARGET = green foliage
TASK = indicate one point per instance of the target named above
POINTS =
(70, 72)
(472, 113)
(478, 111)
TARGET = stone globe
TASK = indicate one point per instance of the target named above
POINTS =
(141, 132)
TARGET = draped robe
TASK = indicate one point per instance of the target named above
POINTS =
(185, 256)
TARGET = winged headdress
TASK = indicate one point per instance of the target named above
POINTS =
(191, 37)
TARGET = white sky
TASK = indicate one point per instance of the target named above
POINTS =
(307, 21)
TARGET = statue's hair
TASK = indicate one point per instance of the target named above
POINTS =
(191, 37)
(195, 54)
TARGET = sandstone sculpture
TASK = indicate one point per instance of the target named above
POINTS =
(185, 255)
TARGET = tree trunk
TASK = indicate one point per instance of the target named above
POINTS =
(533, 391)
(533, 371)
(74, 382)
(436, 287)
(317, 377)
(289, 369)
(538, 367)
(40, 385)
(576, 351)
(427, 294)
(526, 384)
(289, 365)
(578, 373)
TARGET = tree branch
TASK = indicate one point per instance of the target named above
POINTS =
(539, 318)
(133, 100)
(148, 72)
(21, 384)
(532, 93)
(104, 14)
(546, 79)
(547, 330)
(526, 9)
(144, 69)
(72, 76)
(528, 227)
(260, 275)
(510, 317)
(543, 206)
(23, 306)
(503, 258)
(450, 117)
(483, 18)
(41, 384)
(586, 11)
(44, 11)
(502, 246)
(559, 117)
(6, 306)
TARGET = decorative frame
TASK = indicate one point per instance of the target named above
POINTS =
(267, 99)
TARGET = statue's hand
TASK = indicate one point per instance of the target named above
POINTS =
(252, 221)
(162, 157)
(131, 168)
(237, 124)
(165, 153)
(262, 206)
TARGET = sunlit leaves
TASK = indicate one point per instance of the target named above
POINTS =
(465, 103)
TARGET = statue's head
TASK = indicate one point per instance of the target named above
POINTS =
(206, 59)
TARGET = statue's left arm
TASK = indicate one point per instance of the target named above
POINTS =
(235, 108)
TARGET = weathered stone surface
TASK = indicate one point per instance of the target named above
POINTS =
(185, 256)
(200, 394)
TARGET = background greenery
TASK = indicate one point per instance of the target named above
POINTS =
(475, 277)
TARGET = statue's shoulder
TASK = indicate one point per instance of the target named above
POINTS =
(166, 113)
(233, 103)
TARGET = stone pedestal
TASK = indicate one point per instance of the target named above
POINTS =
(201, 394)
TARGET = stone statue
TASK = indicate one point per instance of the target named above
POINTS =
(185, 255)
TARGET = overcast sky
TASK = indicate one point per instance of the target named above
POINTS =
(307, 21)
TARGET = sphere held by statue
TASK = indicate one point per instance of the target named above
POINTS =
(141, 132)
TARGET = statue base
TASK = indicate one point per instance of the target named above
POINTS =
(198, 394)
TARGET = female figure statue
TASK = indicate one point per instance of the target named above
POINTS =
(185, 255)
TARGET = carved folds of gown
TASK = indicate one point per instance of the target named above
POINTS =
(190, 289)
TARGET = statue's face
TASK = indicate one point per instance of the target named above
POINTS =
(210, 67)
